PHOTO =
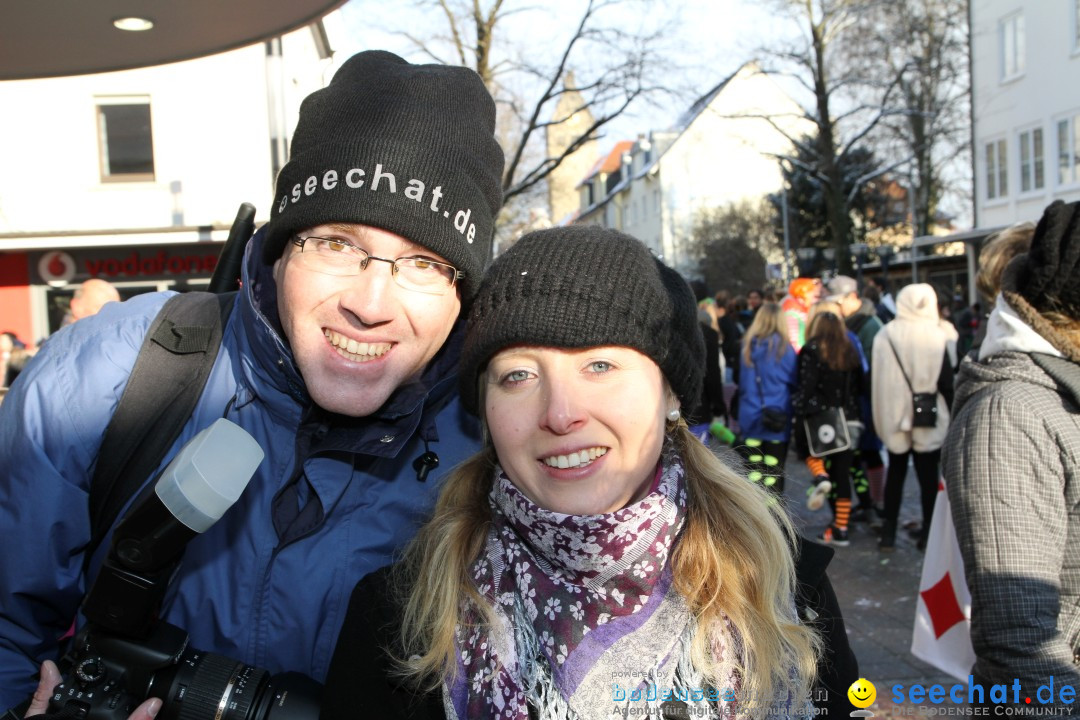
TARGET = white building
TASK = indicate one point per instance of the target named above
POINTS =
(135, 176)
(1025, 106)
(721, 151)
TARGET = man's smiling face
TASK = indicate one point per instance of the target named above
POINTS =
(356, 339)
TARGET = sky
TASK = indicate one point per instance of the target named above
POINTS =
(710, 39)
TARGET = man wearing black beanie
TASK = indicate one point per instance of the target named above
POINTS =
(339, 357)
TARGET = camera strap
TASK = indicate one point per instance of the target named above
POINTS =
(162, 391)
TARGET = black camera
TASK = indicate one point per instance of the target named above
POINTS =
(109, 676)
(125, 654)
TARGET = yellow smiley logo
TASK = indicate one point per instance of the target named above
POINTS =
(862, 693)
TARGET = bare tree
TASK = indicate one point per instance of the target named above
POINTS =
(611, 64)
(924, 44)
(848, 100)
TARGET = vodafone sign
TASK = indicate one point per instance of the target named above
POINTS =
(56, 267)
(152, 263)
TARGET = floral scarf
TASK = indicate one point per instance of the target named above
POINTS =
(584, 608)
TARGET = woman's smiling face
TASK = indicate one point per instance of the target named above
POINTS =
(579, 432)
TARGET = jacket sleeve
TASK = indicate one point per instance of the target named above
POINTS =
(945, 381)
(1006, 482)
(881, 364)
(51, 426)
(361, 682)
(714, 381)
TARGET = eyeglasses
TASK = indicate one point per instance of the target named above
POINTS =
(338, 256)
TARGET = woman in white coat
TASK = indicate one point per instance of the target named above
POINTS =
(910, 356)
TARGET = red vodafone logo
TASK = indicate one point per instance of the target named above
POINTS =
(56, 267)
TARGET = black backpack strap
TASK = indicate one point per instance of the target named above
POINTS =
(166, 383)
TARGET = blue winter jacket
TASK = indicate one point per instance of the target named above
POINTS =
(243, 590)
(778, 380)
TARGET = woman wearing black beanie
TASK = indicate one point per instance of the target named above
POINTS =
(1012, 467)
(596, 558)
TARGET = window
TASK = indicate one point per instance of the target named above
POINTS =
(1068, 150)
(1076, 25)
(997, 179)
(125, 139)
(589, 193)
(1011, 37)
(612, 181)
(1032, 170)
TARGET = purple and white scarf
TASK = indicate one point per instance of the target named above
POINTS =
(584, 607)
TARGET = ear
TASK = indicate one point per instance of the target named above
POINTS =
(279, 267)
(673, 404)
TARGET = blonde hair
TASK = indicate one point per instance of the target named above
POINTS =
(999, 250)
(768, 326)
(823, 306)
(733, 562)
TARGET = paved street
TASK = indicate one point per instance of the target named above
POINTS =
(877, 592)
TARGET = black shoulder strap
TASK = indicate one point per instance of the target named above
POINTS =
(899, 364)
(170, 372)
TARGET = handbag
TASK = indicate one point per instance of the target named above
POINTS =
(923, 405)
(773, 418)
(827, 432)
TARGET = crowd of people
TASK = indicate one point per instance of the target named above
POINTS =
(485, 492)
(827, 360)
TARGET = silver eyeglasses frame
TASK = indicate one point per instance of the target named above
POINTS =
(402, 270)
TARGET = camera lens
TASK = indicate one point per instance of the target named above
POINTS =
(206, 686)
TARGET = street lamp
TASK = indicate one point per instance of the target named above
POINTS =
(806, 257)
(885, 253)
(860, 251)
(830, 258)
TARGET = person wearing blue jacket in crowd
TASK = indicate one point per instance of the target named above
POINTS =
(767, 377)
(339, 358)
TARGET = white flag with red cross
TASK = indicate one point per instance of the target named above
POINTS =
(942, 634)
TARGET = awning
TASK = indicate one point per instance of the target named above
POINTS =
(52, 38)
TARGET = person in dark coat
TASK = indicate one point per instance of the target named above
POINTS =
(829, 376)
(712, 404)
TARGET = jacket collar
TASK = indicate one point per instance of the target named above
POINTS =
(1006, 332)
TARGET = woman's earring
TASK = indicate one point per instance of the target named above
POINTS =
(673, 414)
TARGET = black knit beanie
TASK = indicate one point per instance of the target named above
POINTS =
(406, 148)
(583, 286)
(1050, 277)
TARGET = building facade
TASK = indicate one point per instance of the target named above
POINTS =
(571, 120)
(135, 176)
(723, 150)
(1025, 107)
